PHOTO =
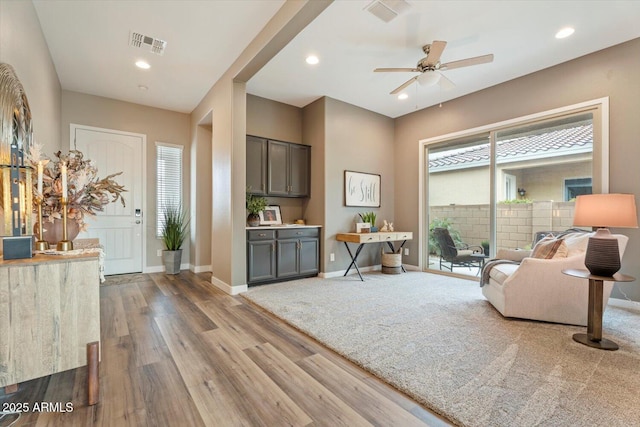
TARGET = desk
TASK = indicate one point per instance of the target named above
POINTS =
(365, 238)
(593, 337)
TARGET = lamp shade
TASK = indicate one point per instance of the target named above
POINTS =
(605, 210)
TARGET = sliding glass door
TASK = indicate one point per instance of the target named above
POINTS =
(500, 187)
(458, 182)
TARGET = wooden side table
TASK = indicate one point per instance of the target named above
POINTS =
(593, 337)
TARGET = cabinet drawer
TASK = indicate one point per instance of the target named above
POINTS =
(261, 234)
(387, 237)
(407, 235)
(298, 232)
(369, 237)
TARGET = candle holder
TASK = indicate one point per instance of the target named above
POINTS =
(41, 244)
(64, 244)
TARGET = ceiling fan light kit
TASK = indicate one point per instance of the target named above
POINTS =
(430, 67)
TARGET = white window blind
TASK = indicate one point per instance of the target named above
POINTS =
(168, 179)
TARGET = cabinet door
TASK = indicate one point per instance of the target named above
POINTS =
(278, 181)
(309, 255)
(299, 170)
(256, 165)
(288, 263)
(261, 261)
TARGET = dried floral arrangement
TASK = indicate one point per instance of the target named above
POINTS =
(87, 193)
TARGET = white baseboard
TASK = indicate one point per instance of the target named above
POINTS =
(225, 287)
(199, 268)
(623, 303)
(160, 268)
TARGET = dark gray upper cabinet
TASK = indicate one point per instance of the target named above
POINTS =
(257, 165)
(276, 168)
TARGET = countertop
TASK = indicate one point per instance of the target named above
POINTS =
(282, 227)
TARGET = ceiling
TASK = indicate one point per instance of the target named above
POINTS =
(89, 45)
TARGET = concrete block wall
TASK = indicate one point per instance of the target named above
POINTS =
(516, 223)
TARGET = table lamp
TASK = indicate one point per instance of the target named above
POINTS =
(601, 211)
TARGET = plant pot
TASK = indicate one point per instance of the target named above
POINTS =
(52, 231)
(253, 220)
(374, 229)
(171, 261)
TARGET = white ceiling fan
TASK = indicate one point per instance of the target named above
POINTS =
(429, 67)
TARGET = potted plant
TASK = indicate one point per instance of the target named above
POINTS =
(174, 232)
(370, 217)
(255, 205)
(485, 247)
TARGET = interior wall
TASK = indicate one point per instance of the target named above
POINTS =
(157, 124)
(362, 141)
(313, 134)
(201, 180)
(274, 120)
(22, 45)
(612, 72)
(227, 101)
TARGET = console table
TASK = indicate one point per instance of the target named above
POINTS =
(365, 238)
(49, 315)
(593, 337)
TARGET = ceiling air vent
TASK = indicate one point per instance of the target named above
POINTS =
(156, 46)
(387, 9)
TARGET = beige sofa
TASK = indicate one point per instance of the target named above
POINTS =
(537, 289)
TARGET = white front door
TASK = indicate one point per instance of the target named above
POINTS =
(119, 228)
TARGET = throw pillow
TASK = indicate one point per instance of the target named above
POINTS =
(549, 248)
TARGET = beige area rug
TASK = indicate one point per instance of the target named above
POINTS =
(437, 339)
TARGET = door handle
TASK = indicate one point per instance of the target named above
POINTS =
(138, 221)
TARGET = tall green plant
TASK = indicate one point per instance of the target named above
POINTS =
(175, 228)
(369, 217)
(447, 223)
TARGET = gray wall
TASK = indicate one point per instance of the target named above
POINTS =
(156, 124)
(275, 120)
(612, 72)
(357, 140)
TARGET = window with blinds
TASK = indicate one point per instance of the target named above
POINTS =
(168, 179)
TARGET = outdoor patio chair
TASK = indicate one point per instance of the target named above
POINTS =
(460, 255)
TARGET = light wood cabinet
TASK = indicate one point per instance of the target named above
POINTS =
(49, 312)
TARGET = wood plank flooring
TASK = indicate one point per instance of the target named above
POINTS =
(176, 351)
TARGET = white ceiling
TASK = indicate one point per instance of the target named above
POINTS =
(88, 41)
(89, 44)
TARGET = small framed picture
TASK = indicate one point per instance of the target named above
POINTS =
(270, 216)
(363, 227)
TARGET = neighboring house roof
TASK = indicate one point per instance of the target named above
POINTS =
(557, 142)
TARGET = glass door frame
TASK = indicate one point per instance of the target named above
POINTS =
(600, 109)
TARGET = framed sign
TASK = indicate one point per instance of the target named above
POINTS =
(270, 215)
(361, 189)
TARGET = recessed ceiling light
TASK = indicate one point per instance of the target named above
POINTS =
(565, 32)
(403, 96)
(143, 64)
(143, 88)
(312, 60)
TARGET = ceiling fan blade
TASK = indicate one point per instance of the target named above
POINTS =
(405, 84)
(445, 83)
(435, 51)
(467, 62)
(393, 70)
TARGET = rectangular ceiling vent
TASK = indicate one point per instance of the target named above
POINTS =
(387, 9)
(156, 46)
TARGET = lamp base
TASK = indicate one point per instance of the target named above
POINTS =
(603, 256)
(64, 245)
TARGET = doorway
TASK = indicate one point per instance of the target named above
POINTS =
(120, 228)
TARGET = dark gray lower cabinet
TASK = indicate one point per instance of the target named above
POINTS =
(282, 254)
